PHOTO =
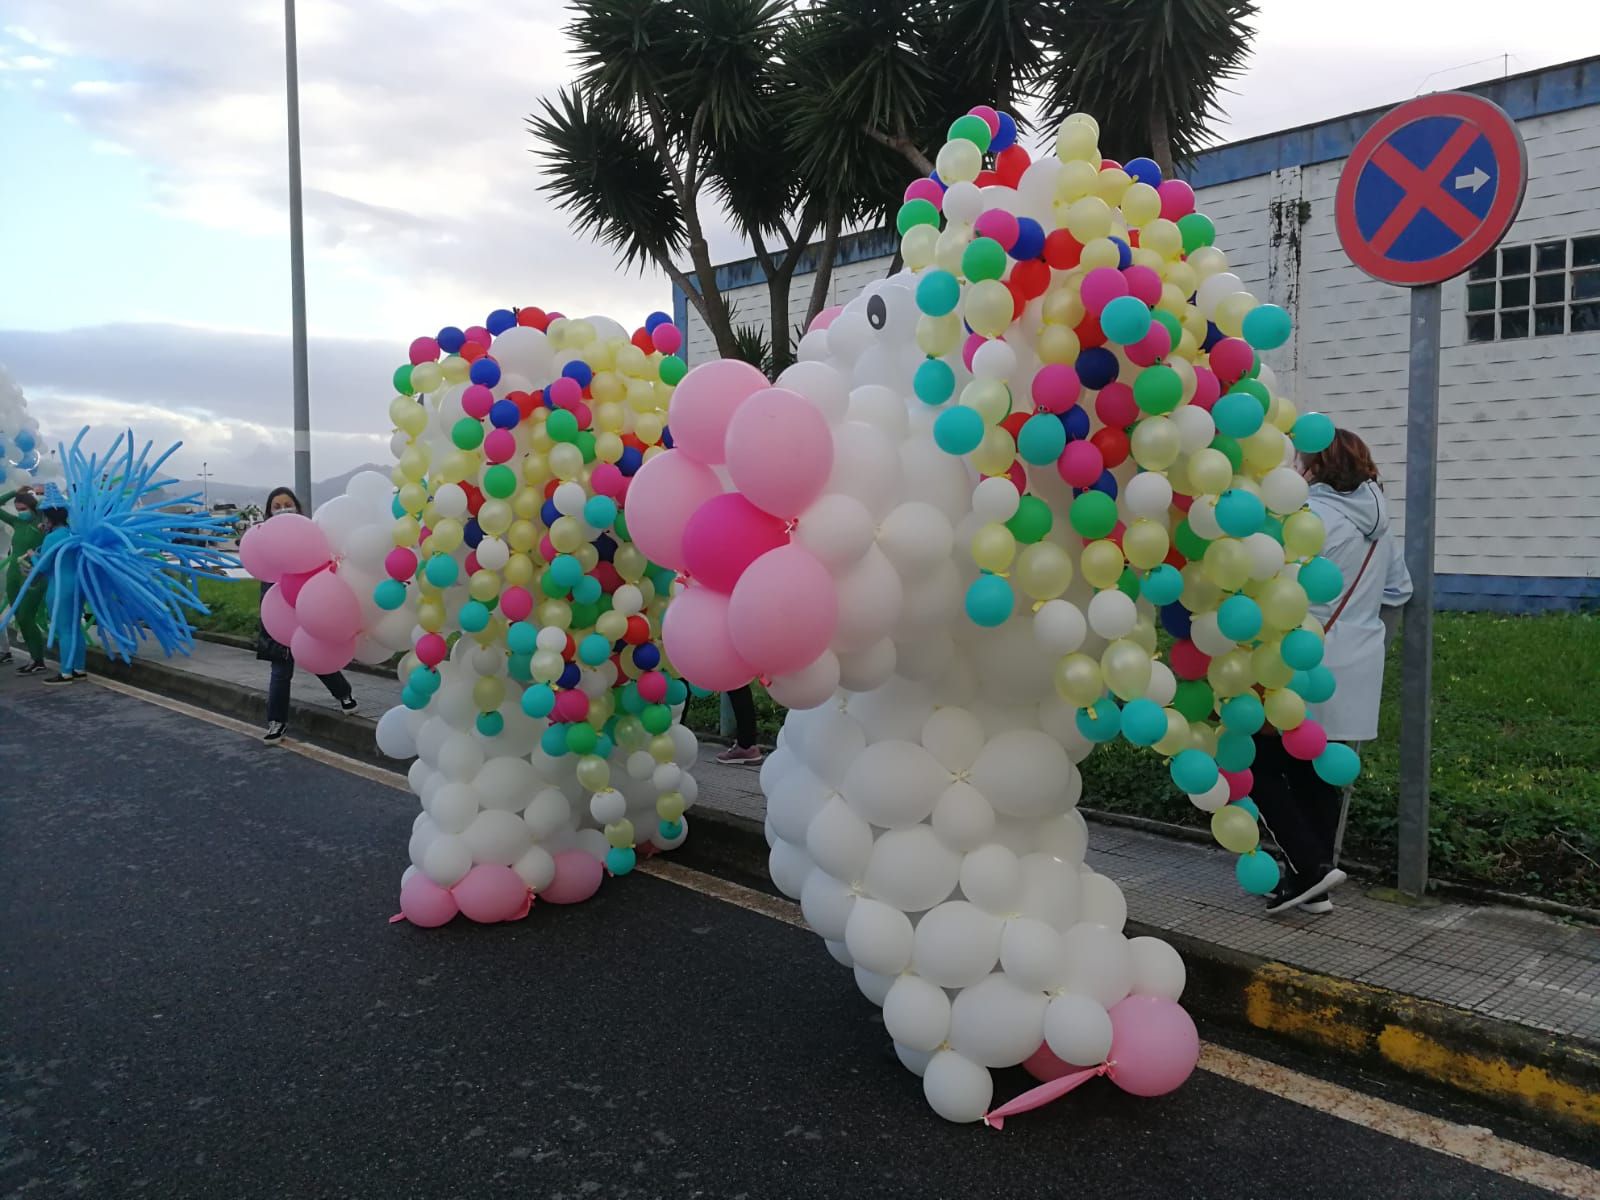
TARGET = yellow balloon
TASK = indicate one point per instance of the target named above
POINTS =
(1283, 603)
(1102, 252)
(412, 497)
(431, 615)
(1199, 593)
(1156, 444)
(1303, 534)
(1147, 258)
(447, 535)
(1232, 311)
(593, 773)
(1144, 633)
(1286, 710)
(494, 518)
(995, 453)
(1146, 544)
(1235, 829)
(489, 693)
(1062, 303)
(608, 447)
(630, 563)
(611, 625)
(1179, 274)
(991, 397)
(484, 586)
(1088, 219)
(425, 377)
(414, 462)
(566, 535)
(959, 161)
(566, 461)
(588, 557)
(993, 548)
(1208, 261)
(1263, 449)
(1141, 204)
(648, 429)
(610, 417)
(1163, 237)
(522, 536)
(1210, 472)
(1057, 344)
(455, 369)
(1043, 571)
(1078, 142)
(918, 245)
(632, 363)
(1231, 674)
(670, 805)
(400, 406)
(1177, 737)
(518, 571)
(988, 307)
(662, 748)
(1266, 662)
(413, 421)
(1102, 564)
(1227, 563)
(938, 336)
(1079, 680)
(642, 396)
(1126, 667)
(1111, 184)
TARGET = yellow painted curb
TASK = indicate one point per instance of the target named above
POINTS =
(1543, 1075)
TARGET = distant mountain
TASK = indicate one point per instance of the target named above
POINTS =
(243, 494)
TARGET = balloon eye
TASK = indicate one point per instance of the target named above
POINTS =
(877, 312)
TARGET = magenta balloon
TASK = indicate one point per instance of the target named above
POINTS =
(695, 635)
(780, 451)
(318, 656)
(490, 893)
(425, 903)
(328, 609)
(726, 534)
(290, 583)
(784, 612)
(704, 402)
(278, 615)
(661, 498)
(1154, 1045)
(283, 544)
(577, 877)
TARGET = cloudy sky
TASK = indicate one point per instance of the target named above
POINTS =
(143, 225)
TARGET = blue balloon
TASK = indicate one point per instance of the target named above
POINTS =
(1030, 239)
(472, 533)
(500, 320)
(646, 657)
(1096, 367)
(1213, 336)
(630, 462)
(1144, 170)
(486, 371)
(1076, 419)
(990, 601)
(24, 440)
(1124, 253)
(571, 675)
(1144, 723)
(1175, 618)
(666, 437)
(1006, 136)
(578, 371)
(450, 339)
(1257, 872)
(654, 319)
(504, 414)
(1107, 483)
(605, 547)
(549, 513)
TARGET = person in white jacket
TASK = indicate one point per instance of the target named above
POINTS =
(1301, 811)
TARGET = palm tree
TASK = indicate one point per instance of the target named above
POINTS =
(1149, 71)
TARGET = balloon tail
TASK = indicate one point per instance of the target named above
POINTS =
(1039, 1096)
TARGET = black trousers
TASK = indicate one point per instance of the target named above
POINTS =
(743, 702)
(278, 689)
(1299, 809)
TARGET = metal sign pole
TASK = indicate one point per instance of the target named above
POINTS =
(297, 271)
(1416, 648)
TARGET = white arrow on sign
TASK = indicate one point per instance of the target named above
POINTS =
(1474, 181)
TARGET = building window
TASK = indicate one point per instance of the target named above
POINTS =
(1536, 290)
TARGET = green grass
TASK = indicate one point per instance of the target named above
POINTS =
(235, 606)
(1516, 759)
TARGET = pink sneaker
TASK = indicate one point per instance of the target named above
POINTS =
(741, 755)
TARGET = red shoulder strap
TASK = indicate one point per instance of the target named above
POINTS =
(1371, 550)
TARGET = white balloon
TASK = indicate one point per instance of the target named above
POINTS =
(1051, 890)
(1031, 954)
(1059, 627)
(1163, 684)
(917, 1013)
(874, 987)
(1203, 518)
(824, 902)
(839, 841)
(536, 867)
(991, 877)
(1026, 773)
(957, 1088)
(1208, 637)
(1157, 968)
(460, 758)
(962, 202)
(837, 529)
(548, 812)
(821, 384)
(1099, 963)
(962, 818)
(808, 687)
(956, 944)
(1113, 614)
(394, 735)
(798, 797)
(446, 860)
(1213, 798)
(995, 359)
(1078, 1030)
(1196, 429)
(911, 868)
(894, 783)
(996, 1023)
(1103, 901)
(497, 837)
(1149, 495)
(879, 937)
(915, 1061)
(1284, 490)
(453, 807)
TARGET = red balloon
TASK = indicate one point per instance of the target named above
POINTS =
(1013, 424)
(642, 339)
(1061, 250)
(1031, 278)
(533, 317)
(1188, 660)
(1089, 332)
(472, 351)
(1112, 444)
(638, 632)
(1010, 163)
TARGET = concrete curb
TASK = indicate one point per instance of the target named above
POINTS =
(1546, 1076)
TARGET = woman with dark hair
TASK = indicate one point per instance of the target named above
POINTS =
(1303, 813)
(283, 500)
(27, 535)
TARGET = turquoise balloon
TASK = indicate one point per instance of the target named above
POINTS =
(474, 616)
(677, 691)
(670, 829)
(594, 650)
(522, 638)
(1042, 439)
(566, 571)
(1126, 319)
(587, 590)
(1337, 765)
(1322, 580)
(1144, 723)
(424, 681)
(539, 701)
(441, 570)
(1301, 649)
(1313, 433)
(1245, 715)
(603, 746)
(1315, 686)
(554, 741)
(520, 667)
(938, 293)
(389, 595)
(990, 601)
(1239, 618)
(1239, 414)
(1257, 872)
(490, 724)
(413, 700)
(1102, 723)
(620, 860)
(1235, 751)
(1267, 327)
(1194, 771)
(1249, 806)
(600, 511)
(632, 702)
(958, 430)
(1240, 513)
(934, 382)
(1162, 586)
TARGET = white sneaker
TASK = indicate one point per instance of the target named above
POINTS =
(1317, 907)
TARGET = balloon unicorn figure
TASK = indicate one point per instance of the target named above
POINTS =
(947, 537)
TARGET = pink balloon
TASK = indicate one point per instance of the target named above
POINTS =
(501, 444)
(1056, 387)
(1144, 283)
(1081, 464)
(424, 349)
(1306, 740)
(607, 480)
(571, 706)
(565, 392)
(1177, 198)
(1239, 783)
(321, 657)
(667, 338)
(726, 534)
(490, 893)
(288, 542)
(1154, 1045)
(1152, 347)
(925, 189)
(328, 608)
(476, 401)
(578, 877)
(826, 317)
(1101, 286)
(704, 402)
(1231, 358)
(431, 649)
(400, 563)
(1044, 1065)
(696, 638)
(516, 603)
(664, 494)
(784, 612)
(780, 451)
(291, 583)
(477, 333)
(425, 903)
(1207, 388)
(278, 615)
(653, 686)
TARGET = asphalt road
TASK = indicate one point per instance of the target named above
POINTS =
(200, 995)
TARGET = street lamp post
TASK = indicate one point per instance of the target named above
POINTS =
(297, 270)
(205, 485)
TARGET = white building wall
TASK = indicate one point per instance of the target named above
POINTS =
(1519, 439)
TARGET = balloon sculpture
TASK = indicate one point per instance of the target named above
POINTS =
(949, 536)
(22, 460)
(131, 564)
(542, 715)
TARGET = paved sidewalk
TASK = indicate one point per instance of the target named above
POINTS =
(1508, 964)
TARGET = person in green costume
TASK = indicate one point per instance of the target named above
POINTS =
(27, 534)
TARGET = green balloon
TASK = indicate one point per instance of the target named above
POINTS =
(585, 443)
(467, 433)
(402, 380)
(1128, 583)
(983, 258)
(913, 213)
(1157, 390)
(1194, 699)
(1093, 515)
(1230, 450)
(657, 718)
(974, 128)
(584, 615)
(620, 527)
(1197, 230)
(581, 738)
(1189, 543)
(1032, 521)
(562, 426)
(673, 369)
(500, 481)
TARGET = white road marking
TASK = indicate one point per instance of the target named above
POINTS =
(1470, 1143)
